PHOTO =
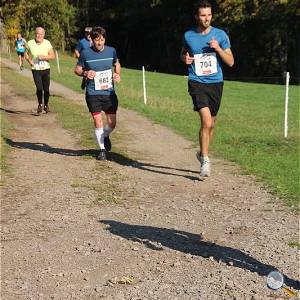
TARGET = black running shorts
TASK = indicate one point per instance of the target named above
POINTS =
(22, 54)
(106, 103)
(206, 95)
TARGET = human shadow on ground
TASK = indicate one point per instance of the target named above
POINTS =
(15, 111)
(193, 244)
(126, 161)
(116, 157)
(48, 149)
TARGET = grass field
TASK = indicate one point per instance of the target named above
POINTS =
(249, 129)
(5, 131)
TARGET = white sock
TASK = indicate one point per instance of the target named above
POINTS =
(99, 132)
(107, 130)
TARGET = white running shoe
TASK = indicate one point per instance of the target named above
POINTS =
(205, 168)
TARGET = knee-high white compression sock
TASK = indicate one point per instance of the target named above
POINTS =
(99, 132)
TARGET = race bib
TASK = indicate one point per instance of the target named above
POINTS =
(39, 64)
(103, 80)
(205, 64)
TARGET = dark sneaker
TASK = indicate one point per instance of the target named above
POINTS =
(39, 109)
(107, 143)
(199, 157)
(46, 109)
(102, 155)
(21, 67)
(83, 83)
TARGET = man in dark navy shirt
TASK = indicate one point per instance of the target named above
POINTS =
(100, 66)
(85, 42)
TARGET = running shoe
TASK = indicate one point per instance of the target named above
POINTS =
(21, 67)
(205, 168)
(39, 109)
(102, 155)
(107, 143)
(46, 109)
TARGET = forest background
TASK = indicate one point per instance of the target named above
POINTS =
(264, 34)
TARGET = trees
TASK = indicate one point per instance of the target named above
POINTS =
(56, 16)
(264, 34)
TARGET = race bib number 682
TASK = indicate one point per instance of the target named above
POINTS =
(103, 80)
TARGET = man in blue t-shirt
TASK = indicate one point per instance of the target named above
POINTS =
(100, 66)
(84, 43)
(204, 49)
(20, 45)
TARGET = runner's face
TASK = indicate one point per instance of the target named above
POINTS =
(39, 35)
(204, 17)
(99, 42)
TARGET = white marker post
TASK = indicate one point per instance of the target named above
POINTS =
(57, 61)
(8, 50)
(144, 86)
(286, 104)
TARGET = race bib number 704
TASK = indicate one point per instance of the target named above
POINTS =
(103, 80)
(205, 64)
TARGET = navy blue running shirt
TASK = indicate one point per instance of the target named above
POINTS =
(102, 63)
(206, 67)
(83, 44)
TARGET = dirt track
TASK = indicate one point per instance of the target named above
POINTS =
(173, 236)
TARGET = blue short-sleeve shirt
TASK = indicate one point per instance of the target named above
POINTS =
(91, 59)
(198, 44)
(20, 45)
(83, 44)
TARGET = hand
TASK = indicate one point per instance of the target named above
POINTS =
(188, 59)
(116, 77)
(213, 43)
(90, 74)
(41, 57)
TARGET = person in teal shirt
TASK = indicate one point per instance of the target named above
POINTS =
(20, 45)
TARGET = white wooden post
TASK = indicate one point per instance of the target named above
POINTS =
(57, 61)
(144, 86)
(8, 49)
(286, 104)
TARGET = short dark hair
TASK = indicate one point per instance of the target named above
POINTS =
(97, 32)
(201, 4)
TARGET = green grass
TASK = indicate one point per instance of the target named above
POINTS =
(294, 244)
(249, 129)
(6, 127)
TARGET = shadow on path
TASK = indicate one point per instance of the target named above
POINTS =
(48, 149)
(193, 244)
(118, 158)
(16, 112)
(126, 161)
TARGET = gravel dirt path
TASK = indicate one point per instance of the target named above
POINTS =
(165, 235)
